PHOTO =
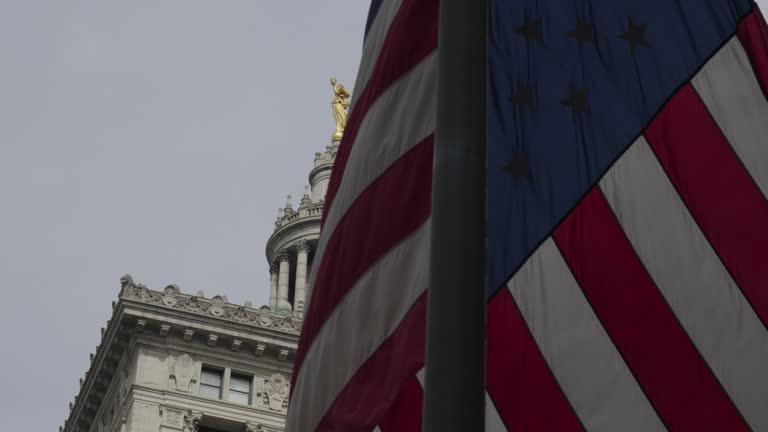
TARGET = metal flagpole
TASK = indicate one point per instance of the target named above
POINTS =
(455, 374)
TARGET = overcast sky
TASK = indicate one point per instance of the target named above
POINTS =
(156, 138)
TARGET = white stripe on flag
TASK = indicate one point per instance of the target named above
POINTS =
(421, 376)
(377, 33)
(401, 118)
(361, 322)
(690, 276)
(584, 361)
(493, 422)
(733, 96)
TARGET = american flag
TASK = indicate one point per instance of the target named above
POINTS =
(627, 278)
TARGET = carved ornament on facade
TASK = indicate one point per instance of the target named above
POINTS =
(305, 199)
(183, 373)
(173, 417)
(170, 295)
(216, 306)
(272, 393)
(191, 421)
(282, 255)
(303, 246)
(254, 427)
(123, 391)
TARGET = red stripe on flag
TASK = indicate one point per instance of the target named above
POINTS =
(405, 414)
(519, 381)
(720, 194)
(371, 392)
(411, 37)
(391, 208)
(666, 364)
(753, 34)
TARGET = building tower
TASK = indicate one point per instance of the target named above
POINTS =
(175, 362)
(290, 249)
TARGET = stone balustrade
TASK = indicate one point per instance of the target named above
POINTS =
(314, 210)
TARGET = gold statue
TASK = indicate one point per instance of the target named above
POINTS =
(340, 104)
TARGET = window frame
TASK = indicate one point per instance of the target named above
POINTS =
(243, 378)
(221, 372)
(225, 388)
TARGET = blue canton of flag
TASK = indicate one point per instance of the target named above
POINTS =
(628, 171)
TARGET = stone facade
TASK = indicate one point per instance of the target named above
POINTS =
(175, 362)
(146, 374)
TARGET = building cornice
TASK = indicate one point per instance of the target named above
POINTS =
(216, 307)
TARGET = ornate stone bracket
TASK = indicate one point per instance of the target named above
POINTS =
(254, 427)
(192, 421)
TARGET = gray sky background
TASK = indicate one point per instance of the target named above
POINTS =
(156, 138)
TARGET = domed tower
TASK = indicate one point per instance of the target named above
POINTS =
(290, 249)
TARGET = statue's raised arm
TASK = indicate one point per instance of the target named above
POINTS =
(339, 104)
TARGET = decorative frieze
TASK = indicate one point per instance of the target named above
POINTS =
(218, 307)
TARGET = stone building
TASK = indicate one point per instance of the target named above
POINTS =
(175, 362)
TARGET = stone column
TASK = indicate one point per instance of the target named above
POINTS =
(301, 279)
(282, 284)
(273, 287)
(225, 384)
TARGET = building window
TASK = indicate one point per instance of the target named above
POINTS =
(240, 389)
(210, 383)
